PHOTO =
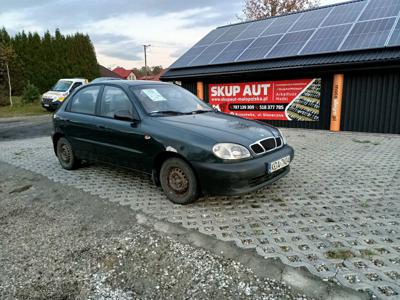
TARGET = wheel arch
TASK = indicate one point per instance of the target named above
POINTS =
(161, 158)
(56, 137)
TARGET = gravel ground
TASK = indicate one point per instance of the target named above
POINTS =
(60, 243)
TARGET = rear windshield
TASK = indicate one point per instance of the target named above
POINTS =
(62, 86)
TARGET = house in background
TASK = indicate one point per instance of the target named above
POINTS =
(153, 77)
(125, 74)
(105, 72)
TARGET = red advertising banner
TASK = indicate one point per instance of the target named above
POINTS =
(290, 100)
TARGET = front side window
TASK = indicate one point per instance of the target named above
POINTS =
(114, 100)
(84, 101)
(163, 99)
(61, 86)
(76, 84)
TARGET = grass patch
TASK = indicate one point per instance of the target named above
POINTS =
(367, 253)
(277, 200)
(339, 254)
(366, 142)
(20, 109)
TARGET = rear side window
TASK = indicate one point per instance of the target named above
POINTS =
(84, 101)
(114, 100)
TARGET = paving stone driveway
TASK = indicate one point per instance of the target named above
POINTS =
(337, 213)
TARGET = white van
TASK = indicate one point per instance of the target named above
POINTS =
(57, 94)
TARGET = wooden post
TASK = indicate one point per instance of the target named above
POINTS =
(337, 96)
(200, 90)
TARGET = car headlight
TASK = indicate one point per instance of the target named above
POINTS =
(282, 136)
(230, 151)
(60, 98)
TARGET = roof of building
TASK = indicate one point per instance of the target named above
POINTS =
(105, 72)
(294, 63)
(122, 72)
(346, 33)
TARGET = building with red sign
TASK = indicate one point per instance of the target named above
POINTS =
(335, 67)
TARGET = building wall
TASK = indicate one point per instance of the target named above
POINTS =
(371, 102)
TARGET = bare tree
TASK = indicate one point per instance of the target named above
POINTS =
(7, 54)
(258, 9)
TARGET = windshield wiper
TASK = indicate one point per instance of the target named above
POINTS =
(199, 111)
(166, 112)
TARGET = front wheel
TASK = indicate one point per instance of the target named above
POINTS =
(179, 181)
(66, 156)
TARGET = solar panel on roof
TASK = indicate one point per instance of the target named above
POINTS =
(281, 24)
(255, 29)
(290, 44)
(344, 14)
(326, 39)
(230, 53)
(395, 38)
(188, 56)
(232, 33)
(259, 48)
(346, 27)
(381, 9)
(311, 19)
(369, 34)
(212, 36)
(208, 54)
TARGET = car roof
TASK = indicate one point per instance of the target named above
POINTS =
(73, 79)
(131, 82)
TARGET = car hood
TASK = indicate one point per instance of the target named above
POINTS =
(221, 127)
(52, 94)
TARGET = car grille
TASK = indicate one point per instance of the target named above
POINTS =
(266, 145)
(47, 100)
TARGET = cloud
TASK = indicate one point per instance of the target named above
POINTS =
(117, 46)
(118, 28)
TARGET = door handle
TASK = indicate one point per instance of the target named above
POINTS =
(101, 127)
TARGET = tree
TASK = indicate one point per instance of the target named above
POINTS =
(7, 55)
(156, 70)
(42, 60)
(259, 9)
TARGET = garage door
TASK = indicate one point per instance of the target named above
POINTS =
(371, 102)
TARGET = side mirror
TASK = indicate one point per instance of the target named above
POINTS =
(124, 115)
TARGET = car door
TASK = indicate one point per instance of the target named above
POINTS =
(78, 121)
(119, 141)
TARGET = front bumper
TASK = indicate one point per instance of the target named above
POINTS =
(49, 104)
(242, 177)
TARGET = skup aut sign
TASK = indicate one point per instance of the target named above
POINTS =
(297, 100)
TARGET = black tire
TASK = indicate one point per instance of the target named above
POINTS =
(179, 181)
(66, 156)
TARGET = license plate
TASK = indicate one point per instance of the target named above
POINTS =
(46, 105)
(278, 164)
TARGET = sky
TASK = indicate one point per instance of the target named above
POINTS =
(119, 28)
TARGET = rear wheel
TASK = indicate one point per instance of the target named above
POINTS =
(179, 181)
(66, 155)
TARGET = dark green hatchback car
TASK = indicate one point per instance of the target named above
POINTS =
(165, 131)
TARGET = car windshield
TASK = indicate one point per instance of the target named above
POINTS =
(61, 86)
(169, 99)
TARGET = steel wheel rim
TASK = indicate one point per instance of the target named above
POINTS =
(65, 153)
(178, 181)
